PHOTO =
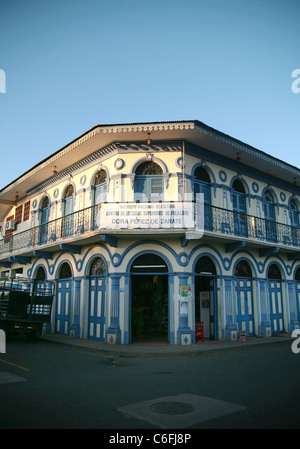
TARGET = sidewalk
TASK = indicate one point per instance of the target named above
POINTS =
(142, 350)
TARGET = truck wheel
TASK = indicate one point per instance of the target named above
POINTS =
(36, 333)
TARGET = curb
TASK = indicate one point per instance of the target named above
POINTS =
(160, 350)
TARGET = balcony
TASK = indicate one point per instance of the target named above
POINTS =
(186, 220)
(237, 227)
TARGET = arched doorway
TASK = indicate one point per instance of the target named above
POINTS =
(44, 219)
(63, 299)
(100, 187)
(40, 277)
(97, 278)
(40, 274)
(275, 297)
(239, 208)
(205, 294)
(68, 201)
(244, 298)
(270, 218)
(149, 300)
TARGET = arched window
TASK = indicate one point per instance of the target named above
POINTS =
(68, 210)
(237, 186)
(239, 208)
(274, 272)
(148, 168)
(98, 267)
(205, 266)
(270, 220)
(45, 207)
(44, 219)
(243, 270)
(201, 185)
(65, 271)
(202, 175)
(100, 186)
(69, 192)
(297, 275)
(148, 183)
(45, 202)
(40, 274)
(68, 200)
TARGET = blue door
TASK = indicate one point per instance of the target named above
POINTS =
(276, 308)
(270, 220)
(69, 218)
(96, 327)
(204, 188)
(244, 306)
(63, 306)
(44, 219)
(240, 214)
(44, 226)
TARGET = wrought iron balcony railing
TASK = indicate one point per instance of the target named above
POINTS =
(231, 223)
(150, 216)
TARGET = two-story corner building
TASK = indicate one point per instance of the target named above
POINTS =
(114, 219)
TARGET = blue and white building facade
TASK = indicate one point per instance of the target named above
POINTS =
(149, 228)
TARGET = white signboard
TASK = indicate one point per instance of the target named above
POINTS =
(147, 215)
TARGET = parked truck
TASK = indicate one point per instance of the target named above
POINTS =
(25, 305)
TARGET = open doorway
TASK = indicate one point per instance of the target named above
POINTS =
(205, 293)
(149, 300)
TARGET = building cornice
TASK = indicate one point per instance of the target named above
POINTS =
(244, 148)
(194, 126)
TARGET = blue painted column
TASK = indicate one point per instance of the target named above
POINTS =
(113, 335)
(184, 332)
(127, 311)
(75, 328)
(171, 310)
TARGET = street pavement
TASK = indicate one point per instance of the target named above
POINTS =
(75, 383)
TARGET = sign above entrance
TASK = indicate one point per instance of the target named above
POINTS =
(157, 215)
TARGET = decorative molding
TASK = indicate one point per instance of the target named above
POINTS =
(223, 175)
(98, 156)
(74, 249)
(119, 163)
(265, 252)
(22, 260)
(148, 127)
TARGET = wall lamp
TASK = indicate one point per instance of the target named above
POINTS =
(149, 139)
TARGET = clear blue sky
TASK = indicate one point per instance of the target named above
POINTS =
(71, 64)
